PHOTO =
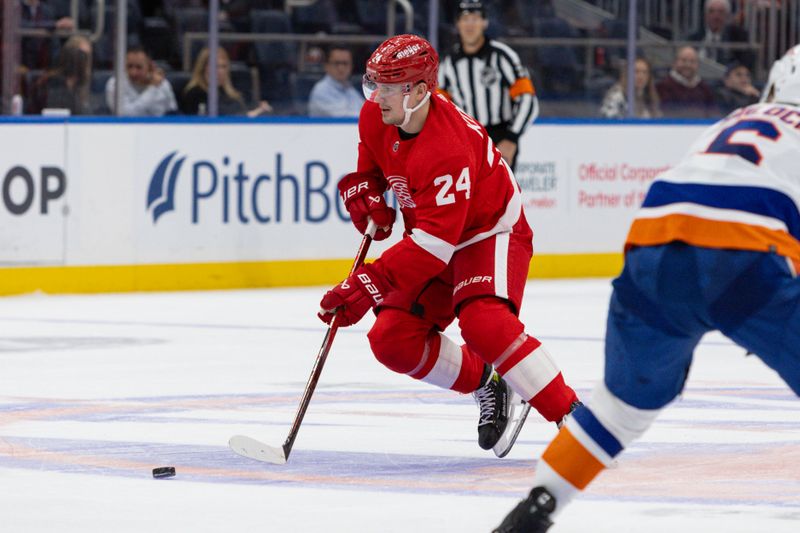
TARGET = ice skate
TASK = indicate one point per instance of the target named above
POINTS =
(503, 413)
(531, 515)
(572, 408)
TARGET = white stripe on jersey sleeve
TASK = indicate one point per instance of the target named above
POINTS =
(452, 86)
(439, 248)
(462, 67)
(524, 112)
(481, 105)
(507, 69)
(535, 113)
(526, 107)
(513, 57)
(508, 74)
(495, 93)
(713, 213)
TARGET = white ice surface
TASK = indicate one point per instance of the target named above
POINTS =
(95, 391)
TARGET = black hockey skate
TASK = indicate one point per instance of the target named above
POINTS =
(575, 405)
(531, 515)
(503, 414)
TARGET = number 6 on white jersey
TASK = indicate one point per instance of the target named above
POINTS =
(444, 196)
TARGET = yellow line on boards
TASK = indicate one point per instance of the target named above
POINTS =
(576, 266)
(256, 274)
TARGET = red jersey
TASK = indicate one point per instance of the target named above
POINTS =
(451, 184)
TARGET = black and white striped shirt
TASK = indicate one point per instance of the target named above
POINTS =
(493, 86)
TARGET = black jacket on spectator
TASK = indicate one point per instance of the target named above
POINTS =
(731, 33)
(51, 91)
(38, 52)
(192, 99)
(729, 99)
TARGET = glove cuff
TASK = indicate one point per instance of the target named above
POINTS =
(349, 185)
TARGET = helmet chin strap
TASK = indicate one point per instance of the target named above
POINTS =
(408, 111)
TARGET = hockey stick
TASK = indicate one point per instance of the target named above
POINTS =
(254, 449)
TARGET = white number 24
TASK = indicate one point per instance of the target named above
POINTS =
(444, 196)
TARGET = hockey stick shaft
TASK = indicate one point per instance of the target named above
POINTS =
(322, 355)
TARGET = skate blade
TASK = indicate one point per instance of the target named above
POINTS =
(517, 415)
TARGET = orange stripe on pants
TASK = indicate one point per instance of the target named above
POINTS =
(567, 456)
(708, 233)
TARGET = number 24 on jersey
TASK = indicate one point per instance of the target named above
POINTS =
(445, 195)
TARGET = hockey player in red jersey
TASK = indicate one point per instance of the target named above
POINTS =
(465, 252)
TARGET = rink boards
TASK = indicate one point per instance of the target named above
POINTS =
(92, 205)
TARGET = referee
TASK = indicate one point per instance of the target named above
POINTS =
(486, 79)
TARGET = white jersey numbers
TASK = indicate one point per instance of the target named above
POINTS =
(445, 196)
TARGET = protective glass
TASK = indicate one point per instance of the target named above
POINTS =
(373, 89)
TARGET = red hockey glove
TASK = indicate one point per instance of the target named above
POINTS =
(362, 195)
(354, 296)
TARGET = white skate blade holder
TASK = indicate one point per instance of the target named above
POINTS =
(517, 414)
(254, 449)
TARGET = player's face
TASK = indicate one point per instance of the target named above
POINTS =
(390, 99)
(389, 96)
(470, 28)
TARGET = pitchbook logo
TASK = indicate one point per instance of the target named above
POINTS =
(224, 190)
(161, 193)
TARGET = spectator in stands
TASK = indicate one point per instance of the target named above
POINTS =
(236, 12)
(37, 52)
(737, 89)
(82, 43)
(66, 86)
(718, 28)
(145, 92)
(62, 10)
(334, 95)
(230, 101)
(647, 105)
(682, 92)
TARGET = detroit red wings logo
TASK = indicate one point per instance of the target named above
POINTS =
(400, 188)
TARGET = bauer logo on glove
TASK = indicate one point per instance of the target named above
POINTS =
(353, 297)
(362, 195)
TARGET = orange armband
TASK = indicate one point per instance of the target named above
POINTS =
(521, 86)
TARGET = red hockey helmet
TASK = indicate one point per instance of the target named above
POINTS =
(403, 59)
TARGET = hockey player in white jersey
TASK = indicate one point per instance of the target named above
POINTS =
(715, 246)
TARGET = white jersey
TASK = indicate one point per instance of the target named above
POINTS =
(737, 188)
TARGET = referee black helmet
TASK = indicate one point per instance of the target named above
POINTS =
(471, 6)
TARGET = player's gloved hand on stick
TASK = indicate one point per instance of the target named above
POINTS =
(354, 296)
(362, 195)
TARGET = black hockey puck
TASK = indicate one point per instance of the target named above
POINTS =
(163, 471)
